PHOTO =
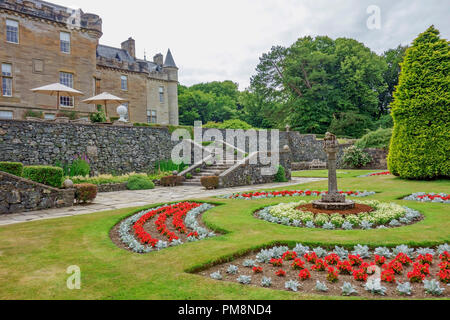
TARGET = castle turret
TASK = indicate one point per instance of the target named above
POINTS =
(171, 69)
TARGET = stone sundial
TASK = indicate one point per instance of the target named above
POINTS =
(333, 200)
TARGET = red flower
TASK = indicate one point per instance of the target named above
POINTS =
(276, 262)
(416, 276)
(388, 276)
(380, 260)
(298, 264)
(445, 257)
(428, 258)
(320, 265)
(257, 270)
(345, 267)
(333, 275)
(360, 275)
(288, 255)
(403, 259)
(444, 276)
(304, 275)
(395, 266)
(311, 258)
(280, 273)
(355, 260)
(332, 259)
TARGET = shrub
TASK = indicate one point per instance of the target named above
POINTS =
(99, 116)
(419, 147)
(210, 182)
(189, 176)
(229, 124)
(379, 139)
(140, 183)
(34, 114)
(281, 175)
(80, 168)
(85, 192)
(51, 176)
(14, 168)
(169, 181)
(350, 124)
(356, 157)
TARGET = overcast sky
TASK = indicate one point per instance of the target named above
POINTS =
(223, 39)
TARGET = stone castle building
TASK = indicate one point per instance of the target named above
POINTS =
(43, 43)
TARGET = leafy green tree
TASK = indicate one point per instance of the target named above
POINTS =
(420, 145)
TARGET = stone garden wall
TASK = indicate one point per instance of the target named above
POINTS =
(111, 149)
(20, 195)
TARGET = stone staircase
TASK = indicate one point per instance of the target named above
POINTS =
(214, 166)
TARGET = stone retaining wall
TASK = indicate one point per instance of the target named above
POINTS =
(21, 195)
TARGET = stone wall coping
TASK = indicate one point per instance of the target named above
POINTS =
(36, 184)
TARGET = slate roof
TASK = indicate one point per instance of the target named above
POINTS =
(114, 53)
(169, 60)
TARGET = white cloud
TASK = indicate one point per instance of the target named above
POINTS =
(223, 40)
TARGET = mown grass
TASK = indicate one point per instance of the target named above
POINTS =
(34, 256)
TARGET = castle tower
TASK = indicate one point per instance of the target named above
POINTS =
(171, 69)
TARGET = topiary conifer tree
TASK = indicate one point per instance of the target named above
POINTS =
(420, 146)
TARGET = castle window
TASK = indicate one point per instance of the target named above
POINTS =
(151, 116)
(67, 80)
(161, 94)
(124, 83)
(64, 38)
(12, 31)
(6, 115)
(7, 80)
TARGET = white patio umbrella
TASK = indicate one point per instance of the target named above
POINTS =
(104, 98)
(57, 89)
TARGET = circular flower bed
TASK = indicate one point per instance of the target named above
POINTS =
(401, 271)
(383, 215)
(376, 174)
(429, 197)
(162, 227)
(291, 193)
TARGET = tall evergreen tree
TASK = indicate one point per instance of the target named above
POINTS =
(420, 145)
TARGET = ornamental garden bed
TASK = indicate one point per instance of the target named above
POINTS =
(397, 272)
(292, 193)
(429, 197)
(159, 228)
(376, 174)
(372, 215)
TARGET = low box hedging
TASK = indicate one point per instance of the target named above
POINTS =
(171, 181)
(210, 182)
(14, 168)
(140, 183)
(85, 192)
(50, 176)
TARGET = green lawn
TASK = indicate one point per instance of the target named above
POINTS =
(34, 256)
(340, 173)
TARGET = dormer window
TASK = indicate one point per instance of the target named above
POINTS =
(12, 31)
(64, 38)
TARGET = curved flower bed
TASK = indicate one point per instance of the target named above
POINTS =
(429, 197)
(291, 193)
(181, 217)
(385, 215)
(399, 271)
(376, 174)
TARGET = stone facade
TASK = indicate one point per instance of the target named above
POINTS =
(37, 59)
(20, 195)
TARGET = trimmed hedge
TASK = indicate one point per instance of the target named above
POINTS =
(140, 183)
(171, 181)
(85, 193)
(281, 175)
(420, 145)
(210, 183)
(14, 168)
(50, 176)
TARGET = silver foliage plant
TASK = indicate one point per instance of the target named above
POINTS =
(292, 285)
(383, 252)
(341, 252)
(249, 263)
(265, 255)
(403, 249)
(348, 289)
(232, 269)
(216, 276)
(244, 280)
(443, 248)
(362, 251)
(266, 282)
(432, 287)
(374, 286)
(404, 289)
(321, 287)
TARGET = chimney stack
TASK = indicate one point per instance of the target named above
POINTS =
(130, 47)
(158, 59)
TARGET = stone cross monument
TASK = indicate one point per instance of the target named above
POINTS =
(333, 200)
